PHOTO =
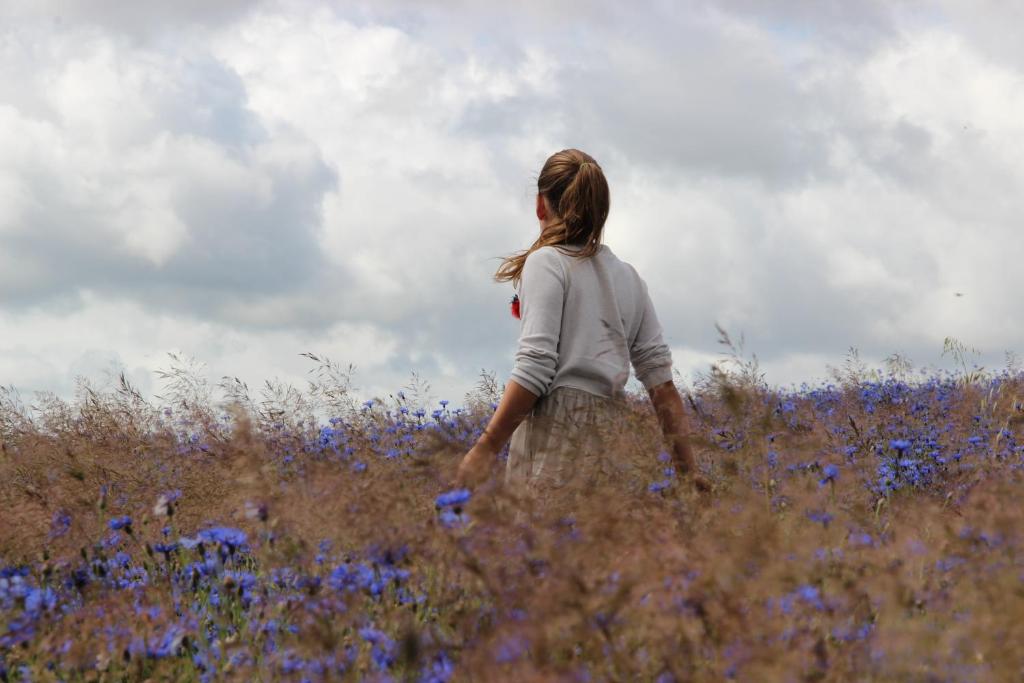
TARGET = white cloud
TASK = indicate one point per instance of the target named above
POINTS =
(254, 180)
(46, 350)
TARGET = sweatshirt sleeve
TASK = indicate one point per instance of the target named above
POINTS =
(541, 297)
(649, 354)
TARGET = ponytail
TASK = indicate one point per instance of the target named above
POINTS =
(575, 187)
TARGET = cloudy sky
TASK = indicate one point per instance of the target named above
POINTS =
(242, 182)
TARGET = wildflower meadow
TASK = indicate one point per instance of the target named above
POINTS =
(862, 529)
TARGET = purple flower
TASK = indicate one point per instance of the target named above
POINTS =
(383, 651)
(118, 523)
(228, 536)
(861, 538)
(818, 516)
(189, 543)
(38, 600)
(168, 645)
(659, 486)
(451, 519)
(350, 578)
(60, 524)
(511, 649)
(811, 595)
(452, 498)
(441, 669)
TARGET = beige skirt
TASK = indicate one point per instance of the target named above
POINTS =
(568, 442)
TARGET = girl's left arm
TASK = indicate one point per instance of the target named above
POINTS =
(543, 294)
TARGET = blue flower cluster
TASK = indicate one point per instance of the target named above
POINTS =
(218, 599)
(806, 594)
(217, 595)
(449, 505)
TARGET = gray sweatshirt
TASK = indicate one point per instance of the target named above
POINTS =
(583, 322)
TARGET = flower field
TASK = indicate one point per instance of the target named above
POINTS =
(866, 530)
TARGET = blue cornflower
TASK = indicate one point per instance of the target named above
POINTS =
(352, 577)
(383, 646)
(658, 486)
(189, 543)
(846, 634)
(221, 534)
(510, 649)
(945, 564)
(168, 645)
(819, 516)
(440, 670)
(811, 595)
(831, 473)
(60, 524)
(453, 497)
(227, 537)
(862, 538)
(899, 444)
(451, 519)
(118, 523)
(38, 600)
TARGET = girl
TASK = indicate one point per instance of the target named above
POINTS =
(586, 317)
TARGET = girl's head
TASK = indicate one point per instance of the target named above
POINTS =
(572, 205)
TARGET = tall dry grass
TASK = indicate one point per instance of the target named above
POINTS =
(866, 530)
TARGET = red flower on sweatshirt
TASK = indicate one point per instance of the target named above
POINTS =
(515, 306)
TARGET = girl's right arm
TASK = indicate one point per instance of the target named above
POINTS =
(652, 362)
(671, 416)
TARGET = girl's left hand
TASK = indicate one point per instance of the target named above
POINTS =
(475, 466)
